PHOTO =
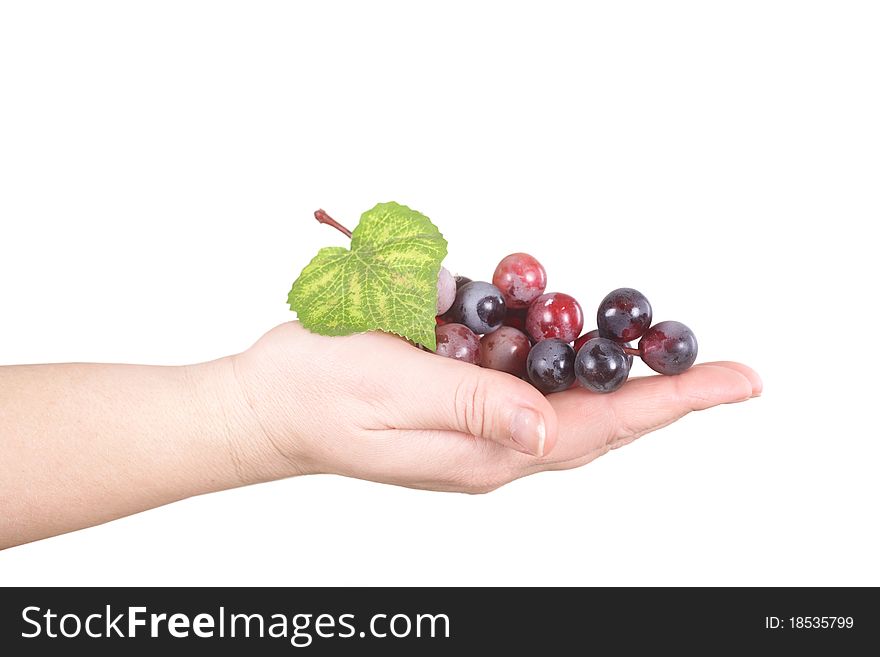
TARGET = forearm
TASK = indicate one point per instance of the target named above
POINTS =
(81, 444)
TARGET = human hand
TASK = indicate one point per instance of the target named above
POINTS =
(118, 439)
(374, 407)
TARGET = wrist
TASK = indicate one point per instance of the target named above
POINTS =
(225, 403)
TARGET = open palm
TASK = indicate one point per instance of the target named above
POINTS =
(374, 407)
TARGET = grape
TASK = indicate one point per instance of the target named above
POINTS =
(516, 318)
(668, 347)
(550, 365)
(459, 342)
(445, 290)
(479, 306)
(624, 315)
(460, 281)
(589, 335)
(601, 365)
(554, 315)
(505, 350)
(521, 279)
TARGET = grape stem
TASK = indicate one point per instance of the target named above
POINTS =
(324, 218)
(631, 352)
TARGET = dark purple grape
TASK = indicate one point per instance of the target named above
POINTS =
(550, 365)
(505, 350)
(624, 315)
(459, 342)
(479, 306)
(601, 365)
(460, 281)
(668, 347)
(589, 335)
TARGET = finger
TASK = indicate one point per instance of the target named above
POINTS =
(590, 424)
(748, 372)
(450, 395)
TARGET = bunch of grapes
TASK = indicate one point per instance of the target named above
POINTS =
(537, 336)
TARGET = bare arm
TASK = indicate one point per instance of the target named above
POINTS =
(82, 444)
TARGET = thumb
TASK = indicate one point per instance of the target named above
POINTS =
(455, 396)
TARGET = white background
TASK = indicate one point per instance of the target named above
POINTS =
(159, 163)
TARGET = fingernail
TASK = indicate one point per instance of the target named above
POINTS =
(527, 430)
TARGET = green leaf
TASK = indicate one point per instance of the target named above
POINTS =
(387, 281)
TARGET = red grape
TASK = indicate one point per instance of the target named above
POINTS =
(521, 279)
(516, 318)
(459, 342)
(589, 335)
(505, 350)
(554, 315)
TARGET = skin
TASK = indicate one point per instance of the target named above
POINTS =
(83, 444)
